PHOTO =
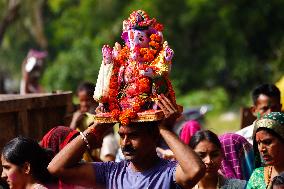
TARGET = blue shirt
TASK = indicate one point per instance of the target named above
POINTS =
(119, 175)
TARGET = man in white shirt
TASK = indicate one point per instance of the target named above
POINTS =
(109, 147)
(266, 99)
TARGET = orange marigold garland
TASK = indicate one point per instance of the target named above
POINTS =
(171, 91)
(155, 45)
(113, 91)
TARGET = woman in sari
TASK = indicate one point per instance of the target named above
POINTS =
(238, 161)
(207, 145)
(56, 139)
(269, 150)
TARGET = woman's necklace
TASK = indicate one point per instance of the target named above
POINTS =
(217, 186)
(267, 176)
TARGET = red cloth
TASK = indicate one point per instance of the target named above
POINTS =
(189, 128)
(58, 137)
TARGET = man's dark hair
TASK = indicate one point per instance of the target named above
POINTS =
(88, 87)
(278, 180)
(269, 90)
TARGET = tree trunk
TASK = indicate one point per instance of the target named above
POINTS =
(11, 15)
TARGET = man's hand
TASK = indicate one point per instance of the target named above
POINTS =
(99, 130)
(187, 174)
(170, 111)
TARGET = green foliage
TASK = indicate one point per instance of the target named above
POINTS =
(229, 43)
(73, 66)
(216, 97)
(225, 46)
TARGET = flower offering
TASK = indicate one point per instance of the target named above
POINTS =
(133, 75)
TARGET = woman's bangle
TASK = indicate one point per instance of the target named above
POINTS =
(85, 140)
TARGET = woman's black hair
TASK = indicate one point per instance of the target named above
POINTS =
(22, 149)
(3, 184)
(278, 180)
(204, 135)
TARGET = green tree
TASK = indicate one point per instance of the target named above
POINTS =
(217, 44)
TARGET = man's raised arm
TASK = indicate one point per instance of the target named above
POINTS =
(190, 168)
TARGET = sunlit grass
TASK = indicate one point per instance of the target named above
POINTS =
(219, 125)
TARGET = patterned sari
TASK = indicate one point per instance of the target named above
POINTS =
(238, 159)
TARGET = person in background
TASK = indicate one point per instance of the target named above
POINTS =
(25, 164)
(268, 150)
(207, 145)
(82, 119)
(56, 139)
(109, 147)
(266, 99)
(278, 182)
(87, 104)
(142, 167)
(189, 128)
(238, 161)
(32, 69)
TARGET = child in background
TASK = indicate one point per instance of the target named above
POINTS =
(83, 118)
(86, 105)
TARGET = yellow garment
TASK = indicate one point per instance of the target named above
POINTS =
(87, 120)
(280, 85)
(85, 123)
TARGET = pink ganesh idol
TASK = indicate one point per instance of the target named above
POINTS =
(131, 78)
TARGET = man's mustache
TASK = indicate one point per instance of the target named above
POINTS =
(128, 149)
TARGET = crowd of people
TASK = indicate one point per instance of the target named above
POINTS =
(85, 154)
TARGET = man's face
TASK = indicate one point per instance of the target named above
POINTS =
(265, 104)
(136, 143)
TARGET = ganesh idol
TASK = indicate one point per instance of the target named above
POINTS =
(131, 77)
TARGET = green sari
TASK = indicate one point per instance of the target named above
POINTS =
(256, 180)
